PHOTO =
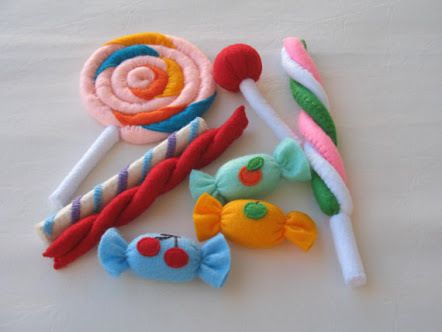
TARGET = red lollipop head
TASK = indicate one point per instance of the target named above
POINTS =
(234, 64)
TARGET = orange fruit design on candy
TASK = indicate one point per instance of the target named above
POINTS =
(251, 174)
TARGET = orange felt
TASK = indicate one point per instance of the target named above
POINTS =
(300, 230)
(155, 88)
(145, 118)
(252, 230)
(207, 217)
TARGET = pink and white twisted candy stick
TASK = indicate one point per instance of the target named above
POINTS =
(328, 177)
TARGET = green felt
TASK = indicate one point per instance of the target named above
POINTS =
(325, 198)
(255, 210)
(313, 106)
(255, 164)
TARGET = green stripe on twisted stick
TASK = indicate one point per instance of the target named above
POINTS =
(319, 113)
(315, 108)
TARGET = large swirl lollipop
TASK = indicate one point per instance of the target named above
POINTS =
(328, 176)
(142, 87)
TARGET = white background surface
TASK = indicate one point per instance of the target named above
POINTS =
(381, 65)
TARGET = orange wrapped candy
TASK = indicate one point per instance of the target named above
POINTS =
(252, 223)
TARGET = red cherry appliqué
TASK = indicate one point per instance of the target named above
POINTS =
(148, 246)
(176, 257)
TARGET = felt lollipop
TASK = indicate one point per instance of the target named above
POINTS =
(142, 87)
(329, 180)
(237, 68)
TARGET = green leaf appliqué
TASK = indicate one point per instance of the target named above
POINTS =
(255, 164)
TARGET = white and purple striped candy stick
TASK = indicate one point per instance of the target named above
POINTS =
(130, 176)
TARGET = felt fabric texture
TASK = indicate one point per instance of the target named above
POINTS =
(130, 176)
(265, 111)
(236, 180)
(347, 250)
(328, 176)
(82, 236)
(234, 64)
(175, 258)
(251, 223)
(147, 84)
(236, 68)
(64, 191)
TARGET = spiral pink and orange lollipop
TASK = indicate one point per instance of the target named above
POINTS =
(142, 87)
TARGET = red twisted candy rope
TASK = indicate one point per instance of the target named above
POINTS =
(82, 236)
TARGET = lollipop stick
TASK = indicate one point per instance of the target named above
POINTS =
(63, 194)
(237, 68)
(264, 110)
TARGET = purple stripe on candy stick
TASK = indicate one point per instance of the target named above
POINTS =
(122, 179)
(75, 212)
(171, 145)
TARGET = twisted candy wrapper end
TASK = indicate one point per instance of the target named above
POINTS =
(215, 261)
(112, 252)
(292, 160)
(207, 217)
(300, 229)
(200, 183)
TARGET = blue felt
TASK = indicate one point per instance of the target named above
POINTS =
(123, 54)
(181, 119)
(112, 252)
(48, 225)
(288, 161)
(211, 262)
(215, 263)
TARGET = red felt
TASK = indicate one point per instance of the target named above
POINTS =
(234, 64)
(149, 246)
(176, 257)
(82, 236)
(249, 178)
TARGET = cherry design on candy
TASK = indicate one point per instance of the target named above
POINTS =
(174, 257)
(149, 246)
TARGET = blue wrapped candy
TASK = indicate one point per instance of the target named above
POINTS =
(166, 257)
(253, 176)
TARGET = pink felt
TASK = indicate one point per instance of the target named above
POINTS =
(321, 142)
(94, 105)
(296, 50)
(111, 90)
(119, 81)
(204, 66)
(140, 135)
(140, 77)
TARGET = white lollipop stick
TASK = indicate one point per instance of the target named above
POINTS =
(264, 110)
(237, 68)
(65, 190)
